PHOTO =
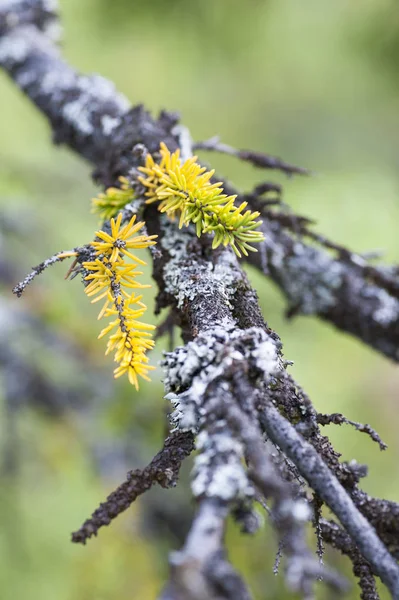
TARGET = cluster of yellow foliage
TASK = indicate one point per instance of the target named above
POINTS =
(185, 188)
(108, 276)
(109, 203)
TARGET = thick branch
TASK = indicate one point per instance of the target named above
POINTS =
(15, 13)
(349, 295)
(289, 513)
(85, 112)
(88, 114)
(199, 571)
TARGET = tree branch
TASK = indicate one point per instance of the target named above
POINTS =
(315, 471)
(163, 469)
(222, 324)
(334, 535)
(257, 159)
(199, 571)
(344, 290)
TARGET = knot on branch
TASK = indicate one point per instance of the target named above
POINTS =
(192, 368)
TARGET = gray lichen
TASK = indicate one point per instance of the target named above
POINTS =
(309, 276)
(387, 312)
(50, 5)
(212, 280)
(220, 347)
(109, 124)
(78, 97)
(57, 82)
(190, 369)
(77, 114)
(14, 49)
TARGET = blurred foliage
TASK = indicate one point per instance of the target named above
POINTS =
(313, 82)
(378, 37)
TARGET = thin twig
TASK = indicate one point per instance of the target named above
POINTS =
(58, 257)
(163, 469)
(257, 159)
(339, 539)
(339, 419)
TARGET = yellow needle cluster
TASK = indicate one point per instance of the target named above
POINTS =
(114, 199)
(186, 188)
(108, 277)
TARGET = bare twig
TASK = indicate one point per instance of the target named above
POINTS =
(58, 257)
(317, 512)
(257, 159)
(163, 469)
(288, 515)
(338, 419)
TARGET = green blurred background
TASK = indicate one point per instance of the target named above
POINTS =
(314, 82)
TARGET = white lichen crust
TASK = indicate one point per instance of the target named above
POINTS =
(189, 372)
(190, 369)
(211, 280)
(218, 468)
(308, 275)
